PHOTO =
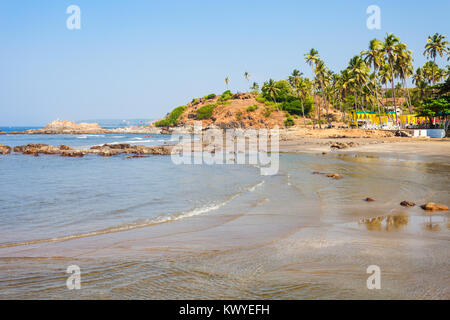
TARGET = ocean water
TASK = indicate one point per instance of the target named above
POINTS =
(55, 197)
(149, 229)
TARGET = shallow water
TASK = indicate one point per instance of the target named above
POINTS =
(146, 228)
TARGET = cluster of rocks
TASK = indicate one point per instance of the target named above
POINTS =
(401, 133)
(105, 150)
(343, 145)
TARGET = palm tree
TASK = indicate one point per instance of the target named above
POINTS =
(311, 58)
(294, 78)
(390, 51)
(420, 81)
(302, 90)
(247, 77)
(272, 90)
(374, 57)
(359, 75)
(436, 45)
(255, 87)
(227, 81)
(404, 68)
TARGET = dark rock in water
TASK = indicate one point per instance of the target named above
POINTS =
(317, 172)
(4, 149)
(324, 153)
(136, 156)
(118, 146)
(72, 154)
(369, 200)
(407, 204)
(431, 206)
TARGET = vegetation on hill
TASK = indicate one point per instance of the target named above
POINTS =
(373, 80)
(172, 118)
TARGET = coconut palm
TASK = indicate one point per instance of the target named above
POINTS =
(436, 45)
(247, 77)
(359, 76)
(255, 87)
(227, 81)
(303, 89)
(271, 89)
(404, 68)
(312, 57)
(294, 78)
(374, 56)
(390, 51)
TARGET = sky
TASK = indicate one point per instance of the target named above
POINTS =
(140, 59)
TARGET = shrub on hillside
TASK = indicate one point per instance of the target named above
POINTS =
(210, 96)
(172, 118)
(252, 108)
(289, 121)
(206, 111)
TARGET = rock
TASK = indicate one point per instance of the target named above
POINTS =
(73, 154)
(136, 156)
(324, 153)
(120, 146)
(4, 149)
(334, 176)
(407, 204)
(369, 200)
(64, 147)
(317, 172)
(2, 132)
(400, 133)
(431, 206)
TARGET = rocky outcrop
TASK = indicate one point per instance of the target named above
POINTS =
(4, 149)
(431, 206)
(2, 132)
(105, 150)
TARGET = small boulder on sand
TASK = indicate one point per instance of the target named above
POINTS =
(431, 206)
(334, 176)
(369, 200)
(407, 204)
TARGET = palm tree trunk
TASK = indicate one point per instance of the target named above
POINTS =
(393, 91)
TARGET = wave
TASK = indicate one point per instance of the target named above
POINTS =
(138, 224)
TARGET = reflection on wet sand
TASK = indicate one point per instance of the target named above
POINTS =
(387, 223)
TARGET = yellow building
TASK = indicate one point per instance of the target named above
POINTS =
(372, 118)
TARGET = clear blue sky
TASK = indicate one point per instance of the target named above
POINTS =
(140, 59)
